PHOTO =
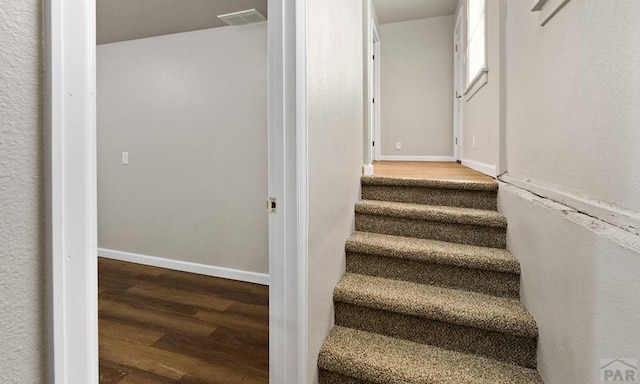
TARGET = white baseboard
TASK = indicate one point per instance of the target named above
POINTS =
(416, 158)
(621, 218)
(487, 169)
(186, 266)
(367, 170)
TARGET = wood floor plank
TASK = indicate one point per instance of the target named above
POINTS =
(232, 320)
(111, 280)
(137, 316)
(254, 339)
(150, 303)
(260, 312)
(171, 365)
(110, 373)
(128, 332)
(223, 350)
(140, 377)
(202, 300)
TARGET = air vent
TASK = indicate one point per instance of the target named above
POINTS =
(243, 17)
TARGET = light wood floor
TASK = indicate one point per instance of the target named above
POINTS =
(428, 170)
(161, 326)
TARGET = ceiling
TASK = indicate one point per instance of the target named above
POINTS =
(120, 20)
(394, 11)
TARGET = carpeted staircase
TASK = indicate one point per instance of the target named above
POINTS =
(431, 295)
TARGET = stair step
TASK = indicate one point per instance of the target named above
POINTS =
(452, 224)
(486, 270)
(480, 195)
(469, 322)
(442, 252)
(350, 356)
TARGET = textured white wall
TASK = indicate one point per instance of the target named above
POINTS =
(573, 89)
(572, 117)
(191, 110)
(580, 282)
(417, 87)
(335, 122)
(22, 296)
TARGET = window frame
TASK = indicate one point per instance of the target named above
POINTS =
(484, 69)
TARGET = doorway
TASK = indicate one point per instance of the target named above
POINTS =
(71, 190)
(458, 81)
(374, 85)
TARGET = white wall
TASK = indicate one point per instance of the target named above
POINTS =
(191, 110)
(580, 282)
(572, 128)
(335, 121)
(417, 87)
(22, 261)
(482, 119)
(573, 89)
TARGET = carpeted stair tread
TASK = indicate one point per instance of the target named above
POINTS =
(428, 183)
(444, 214)
(435, 303)
(373, 358)
(426, 250)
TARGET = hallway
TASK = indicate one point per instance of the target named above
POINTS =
(428, 170)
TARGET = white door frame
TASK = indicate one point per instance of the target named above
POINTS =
(458, 80)
(374, 83)
(70, 109)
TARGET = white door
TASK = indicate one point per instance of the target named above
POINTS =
(458, 82)
(374, 125)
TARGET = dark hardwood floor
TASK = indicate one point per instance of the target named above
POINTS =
(162, 326)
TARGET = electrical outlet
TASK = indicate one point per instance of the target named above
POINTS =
(398, 145)
(125, 158)
(473, 143)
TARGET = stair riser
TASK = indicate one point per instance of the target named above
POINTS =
(432, 196)
(327, 377)
(449, 276)
(455, 233)
(503, 347)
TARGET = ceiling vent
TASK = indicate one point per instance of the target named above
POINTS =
(243, 17)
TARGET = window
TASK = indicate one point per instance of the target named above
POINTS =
(476, 40)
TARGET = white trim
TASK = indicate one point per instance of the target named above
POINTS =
(377, 94)
(287, 157)
(185, 266)
(476, 85)
(537, 5)
(621, 218)
(487, 169)
(372, 69)
(367, 170)
(548, 9)
(417, 158)
(71, 109)
(302, 195)
(485, 66)
(458, 80)
(71, 193)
